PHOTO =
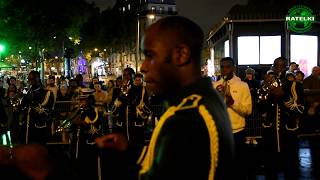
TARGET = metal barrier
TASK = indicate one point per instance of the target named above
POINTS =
(63, 106)
(254, 124)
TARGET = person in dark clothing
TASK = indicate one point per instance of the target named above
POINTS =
(37, 105)
(3, 119)
(126, 115)
(2, 89)
(193, 139)
(281, 109)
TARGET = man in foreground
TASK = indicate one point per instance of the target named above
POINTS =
(193, 139)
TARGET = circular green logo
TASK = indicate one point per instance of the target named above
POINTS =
(300, 19)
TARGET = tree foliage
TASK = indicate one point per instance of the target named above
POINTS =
(34, 23)
(111, 30)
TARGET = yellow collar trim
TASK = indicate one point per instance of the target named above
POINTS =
(211, 126)
(87, 119)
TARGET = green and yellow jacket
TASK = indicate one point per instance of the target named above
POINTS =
(193, 139)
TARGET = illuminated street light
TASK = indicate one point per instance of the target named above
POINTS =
(30, 47)
(150, 17)
(104, 50)
(54, 37)
(56, 57)
(2, 49)
(70, 38)
(95, 49)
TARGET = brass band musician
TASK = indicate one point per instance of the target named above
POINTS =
(36, 106)
(281, 105)
(130, 111)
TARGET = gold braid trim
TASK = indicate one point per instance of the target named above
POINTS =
(144, 151)
(87, 119)
(46, 99)
(149, 157)
(211, 126)
(148, 160)
(214, 139)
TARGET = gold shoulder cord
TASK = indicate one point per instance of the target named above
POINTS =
(211, 126)
(87, 119)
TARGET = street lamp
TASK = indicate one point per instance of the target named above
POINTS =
(2, 48)
(138, 55)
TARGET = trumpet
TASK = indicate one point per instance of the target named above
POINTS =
(125, 88)
(224, 88)
(264, 91)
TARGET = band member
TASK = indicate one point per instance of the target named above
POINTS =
(236, 94)
(193, 138)
(3, 119)
(86, 125)
(36, 104)
(130, 111)
(12, 105)
(281, 107)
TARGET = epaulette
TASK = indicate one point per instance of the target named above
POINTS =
(189, 102)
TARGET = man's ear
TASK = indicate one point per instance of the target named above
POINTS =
(181, 55)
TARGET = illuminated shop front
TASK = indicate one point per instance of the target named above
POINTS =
(255, 39)
(98, 67)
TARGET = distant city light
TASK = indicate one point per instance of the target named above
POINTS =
(77, 41)
(96, 49)
(70, 38)
(30, 47)
(54, 37)
(56, 57)
(151, 16)
(2, 47)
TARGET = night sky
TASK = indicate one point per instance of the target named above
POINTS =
(206, 13)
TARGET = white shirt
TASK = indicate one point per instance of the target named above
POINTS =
(242, 106)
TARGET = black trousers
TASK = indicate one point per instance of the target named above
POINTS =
(286, 161)
(240, 165)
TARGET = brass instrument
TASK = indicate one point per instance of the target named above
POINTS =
(125, 88)
(224, 88)
(15, 103)
(264, 92)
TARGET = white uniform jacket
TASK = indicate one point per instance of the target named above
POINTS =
(242, 106)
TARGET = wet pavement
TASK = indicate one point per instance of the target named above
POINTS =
(307, 169)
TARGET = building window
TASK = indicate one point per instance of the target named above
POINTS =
(305, 57)
(226, 48)
(258, 49)
(129, 7)
(270, 49)
(123, 9)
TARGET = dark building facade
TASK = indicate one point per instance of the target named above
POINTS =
(257, 33)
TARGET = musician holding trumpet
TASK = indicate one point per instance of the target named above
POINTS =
(281, 105)
(237, 97)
